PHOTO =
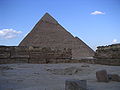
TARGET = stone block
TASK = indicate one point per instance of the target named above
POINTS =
(114, 77)
(4, 52)
(75, 85)
(4, 61)
(19, 52)
(102, 76)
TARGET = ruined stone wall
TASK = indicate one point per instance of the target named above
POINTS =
(23, 54)
(112, 62)
(108, 52)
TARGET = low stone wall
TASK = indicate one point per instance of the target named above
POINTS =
(108, 52)
(15, 54)
(112, 62)
(108, 55)
(21, 54)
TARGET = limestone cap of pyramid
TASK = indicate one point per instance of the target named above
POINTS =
(48, 18)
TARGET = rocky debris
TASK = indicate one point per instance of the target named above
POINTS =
(102, 76)
(66, 71)
(5, 68)
(114, 77)
(36, 73)
(75, 85)
(85, 65)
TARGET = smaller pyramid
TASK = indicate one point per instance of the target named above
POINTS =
(49, 33)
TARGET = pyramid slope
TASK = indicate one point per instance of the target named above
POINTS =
(49, 33)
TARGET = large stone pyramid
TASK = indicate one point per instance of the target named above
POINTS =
(49, 33)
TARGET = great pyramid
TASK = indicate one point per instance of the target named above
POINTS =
(49, 33)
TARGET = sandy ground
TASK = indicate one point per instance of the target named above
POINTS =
(53, 76)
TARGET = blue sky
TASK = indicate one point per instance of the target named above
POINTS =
(96, 22)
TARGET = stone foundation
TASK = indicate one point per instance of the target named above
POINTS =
(108, 52)
(21, 54)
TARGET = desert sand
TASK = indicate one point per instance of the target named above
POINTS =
(53, 76)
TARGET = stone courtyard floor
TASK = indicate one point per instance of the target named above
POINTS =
(53, 76)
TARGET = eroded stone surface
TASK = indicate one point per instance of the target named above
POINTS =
(114, 77)
(75, 85)
(102, 76)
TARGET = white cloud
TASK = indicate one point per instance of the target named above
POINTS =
(114, 41)
(97, 13)
(9, 33)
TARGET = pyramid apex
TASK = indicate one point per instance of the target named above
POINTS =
(46, 13)
(48, 18)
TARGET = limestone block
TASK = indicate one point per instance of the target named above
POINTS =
(4, 61)
(19, 52)
(36, 54)
(20, 60)
(114, 77)
(75, 85)
(102, 76)
(4, 52)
